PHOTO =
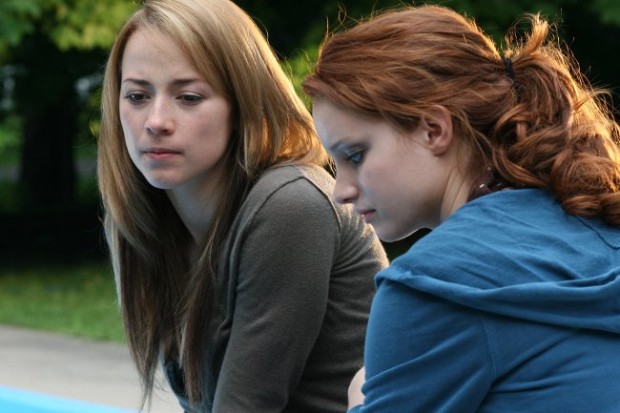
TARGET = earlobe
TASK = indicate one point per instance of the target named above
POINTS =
(439, 132)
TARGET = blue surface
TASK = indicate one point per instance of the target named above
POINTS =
(20, 401)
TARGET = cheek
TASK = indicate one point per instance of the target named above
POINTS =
(126, 127)
(129, 141)
(126, 130)
(375, 176)
(383, 186)
(131, 118)
(128, 137)
(132, 152)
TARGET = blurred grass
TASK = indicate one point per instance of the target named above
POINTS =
(77, 299)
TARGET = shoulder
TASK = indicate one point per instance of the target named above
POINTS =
(502, 230)
(293, 177)
(502, 216)
(290, 186)
(298, 194)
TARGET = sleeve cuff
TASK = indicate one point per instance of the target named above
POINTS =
(356, 409)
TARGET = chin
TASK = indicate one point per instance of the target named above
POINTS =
(394, 236)
(388, 237)
(161, 183)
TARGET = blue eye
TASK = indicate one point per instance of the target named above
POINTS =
(356, 157)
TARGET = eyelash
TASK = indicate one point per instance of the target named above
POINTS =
(137, 98)
(190, 99)
(356, 157)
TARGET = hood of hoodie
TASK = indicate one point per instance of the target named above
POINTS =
(518, 254)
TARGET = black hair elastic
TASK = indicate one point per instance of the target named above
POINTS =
(509, 70)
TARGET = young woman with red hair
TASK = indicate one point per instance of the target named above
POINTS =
(511, 303)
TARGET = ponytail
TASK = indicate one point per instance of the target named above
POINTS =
(560, 134)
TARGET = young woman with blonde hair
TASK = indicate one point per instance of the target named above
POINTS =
(511, 302)
(234, 268)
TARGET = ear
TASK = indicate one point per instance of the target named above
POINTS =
(437, 123)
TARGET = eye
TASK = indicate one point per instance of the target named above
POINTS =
(136, 97)
(356, 157)
(190, 99)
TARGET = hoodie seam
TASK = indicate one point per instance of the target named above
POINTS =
(490, 348)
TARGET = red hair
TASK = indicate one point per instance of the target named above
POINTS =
(534, 119)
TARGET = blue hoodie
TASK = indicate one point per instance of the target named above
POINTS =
(510, 305)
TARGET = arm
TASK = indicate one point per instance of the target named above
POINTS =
(282, 292)
(424, 354)
(355, 395)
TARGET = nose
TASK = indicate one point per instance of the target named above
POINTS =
(160, 119)
(345, 191)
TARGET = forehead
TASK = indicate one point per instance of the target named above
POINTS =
(148, 46)
(334, 122)
(329, 115)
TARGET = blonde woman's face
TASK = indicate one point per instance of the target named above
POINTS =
(176, 126)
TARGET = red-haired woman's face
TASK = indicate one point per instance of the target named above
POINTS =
(395, 180)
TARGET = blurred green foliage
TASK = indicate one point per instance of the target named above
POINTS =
(10, 132)
(80, 24)
(51, 56)
(608, 11)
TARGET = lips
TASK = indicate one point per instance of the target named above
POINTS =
(160, 154)
(366, 214)
(157, 150)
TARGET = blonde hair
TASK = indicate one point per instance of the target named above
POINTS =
(529, 114)
(162, 293)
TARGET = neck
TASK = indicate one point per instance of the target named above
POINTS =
(195, 208)
(457, 193)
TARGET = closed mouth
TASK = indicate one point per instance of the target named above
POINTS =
(160, 151)
(366, 214)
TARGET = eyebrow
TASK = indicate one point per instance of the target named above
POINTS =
(176, 82)
(333, 148)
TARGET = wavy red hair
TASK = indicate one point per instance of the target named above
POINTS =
(538, 125)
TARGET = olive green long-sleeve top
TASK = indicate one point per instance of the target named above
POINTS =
(292, 300)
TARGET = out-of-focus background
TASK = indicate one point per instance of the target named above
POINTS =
(53, 272)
